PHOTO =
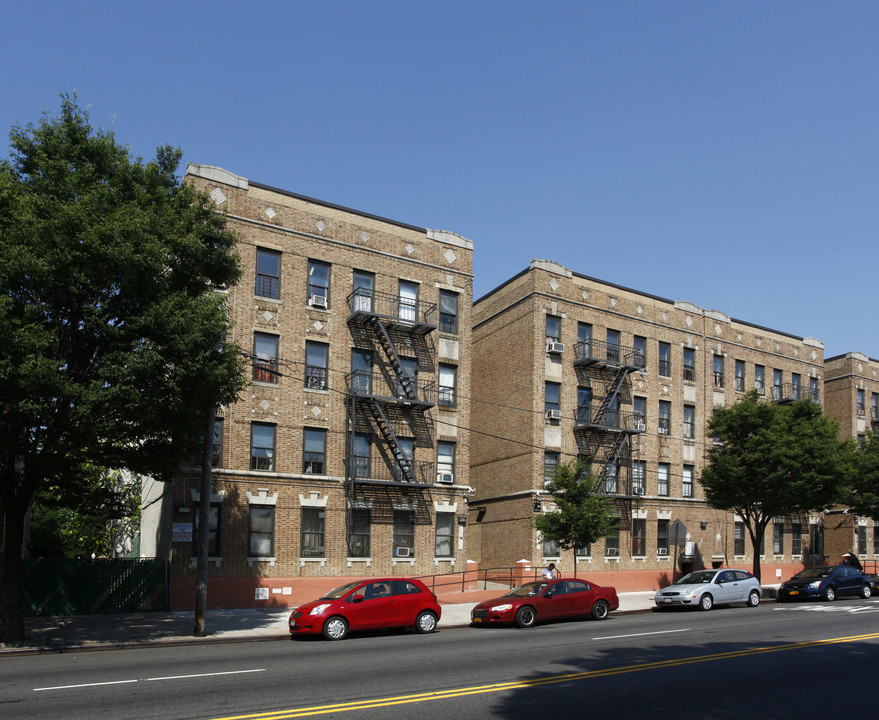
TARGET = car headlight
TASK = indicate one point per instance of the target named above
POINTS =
(318, 609)
(814, 585)
(501, 608)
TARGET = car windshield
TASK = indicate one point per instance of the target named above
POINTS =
(340, 591)
(818, 572)
(527, 590)
(697, 578)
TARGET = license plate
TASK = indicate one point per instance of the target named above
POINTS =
(794, 592)
(667, 600)
(477, 620)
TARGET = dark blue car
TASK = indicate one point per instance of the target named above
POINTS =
(826, 582)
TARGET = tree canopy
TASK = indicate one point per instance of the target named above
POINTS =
(581, 516)
(768, 460)
(112, 316)
(863, 496)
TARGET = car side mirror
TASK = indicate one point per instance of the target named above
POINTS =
(357, 598)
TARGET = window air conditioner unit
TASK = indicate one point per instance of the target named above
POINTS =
(638, 491)
(662, 551)
(446, 478)
(555, 347)
(317, 383)
(612, 552)
(663, 431)
(402, 552)
(640, 425)
(264, 358)
(318, 301)
(553, 414)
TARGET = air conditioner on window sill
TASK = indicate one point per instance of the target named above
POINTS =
(640, 425)
(553, 414)
(662, 551)
(555, 347)
(638, 491)
(612, 552)
(446, 478)
(662, 431)
(402, 552)
(316, 383)
(317, 301)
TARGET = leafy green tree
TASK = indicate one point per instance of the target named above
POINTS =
(112, 324)
(582, 516)
(772, 459)
(863, 496)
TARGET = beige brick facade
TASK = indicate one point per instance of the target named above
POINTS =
(690, 360)
(294, 314)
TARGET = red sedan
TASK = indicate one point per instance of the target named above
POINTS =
(368, 605)
(547, 600)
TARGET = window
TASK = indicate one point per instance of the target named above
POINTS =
(409, 378)
(639, 344)
(664, 417)
(314, 451)
(445, 461)
(639, 475)
(874, 405)
(740, 376)
(406, 456)
(759, 379)
(583, 551)
(262, 531)
(689, 422)
(553, 329)
(262, 447)
(404, 533)
(551, 548)
(662, 537)
(361, 372)
(795, 386)
(738, 538)
(611, 477)
(358, 537)
(665, 359)
(662, 479)
(444, 538)
(363, 293)
(687, 483)
(859, 401)
(217, 445)
(447, 384)
(875, 538)
(551, 396)
(718, 371)
(318, 284)
(268, 273)
(316, 363)
(584, 404)
(213, 530)
(862, 540)
(612, 541)
(639, 537)
(360, 456)
(776, 384)
(796, 544)
(689, 364)
(312, 541)
(448, 312)
(584, 341)
(816, 540)
(813, 390)
(639, 406)
(777, 538)
(265, 358)
(550, 463)
(408, 301)
(613, 345)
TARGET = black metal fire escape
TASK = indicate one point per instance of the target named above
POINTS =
(390, 403)
(602, 430)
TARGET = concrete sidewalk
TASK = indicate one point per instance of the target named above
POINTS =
(126, 630)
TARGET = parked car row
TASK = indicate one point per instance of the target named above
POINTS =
(385, 603)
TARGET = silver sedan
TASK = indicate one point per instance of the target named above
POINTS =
(706, 588)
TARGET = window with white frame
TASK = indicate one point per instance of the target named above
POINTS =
(444, 535)
(261, 538)
(265, 358)
(262, 447)
(662, 479)
(408, 301)
(662, 537)
(445, 461)
(687, 482)
(639, 475)
(448, 385)
(313, 532)
(689, 422)
(317, 357)
(318, 284)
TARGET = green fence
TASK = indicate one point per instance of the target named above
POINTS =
(84, 587)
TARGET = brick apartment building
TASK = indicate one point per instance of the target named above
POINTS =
(565, 365)
(851, 396)
(347, 454)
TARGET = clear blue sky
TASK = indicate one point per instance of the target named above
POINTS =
(723, 153)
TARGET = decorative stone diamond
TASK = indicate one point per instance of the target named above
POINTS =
(584, 294)
(409, 249)
(664, 317)
(320, 225)
(450, 256)
(689, 321)
(315, 410)
(814, 355)
(365, 236)
(218, 196)
(554, 284)
(267, 316)
(613, 302)
(640, 309)
(718, 329)
(318, 325)
(270, 213)
(265, 405)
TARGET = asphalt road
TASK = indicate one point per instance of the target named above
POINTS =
(771, 662)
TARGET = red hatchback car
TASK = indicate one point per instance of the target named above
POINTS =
(547, 600)
(368, 605)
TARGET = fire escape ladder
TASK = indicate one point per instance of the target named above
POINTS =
(387, 432)
(406, 381)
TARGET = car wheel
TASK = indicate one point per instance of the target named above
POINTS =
(335, 628)
(753, 598)
(425, 622)
(526, 617)
(600, 610)
(866, 591)
(706, 602)
(829, 593)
